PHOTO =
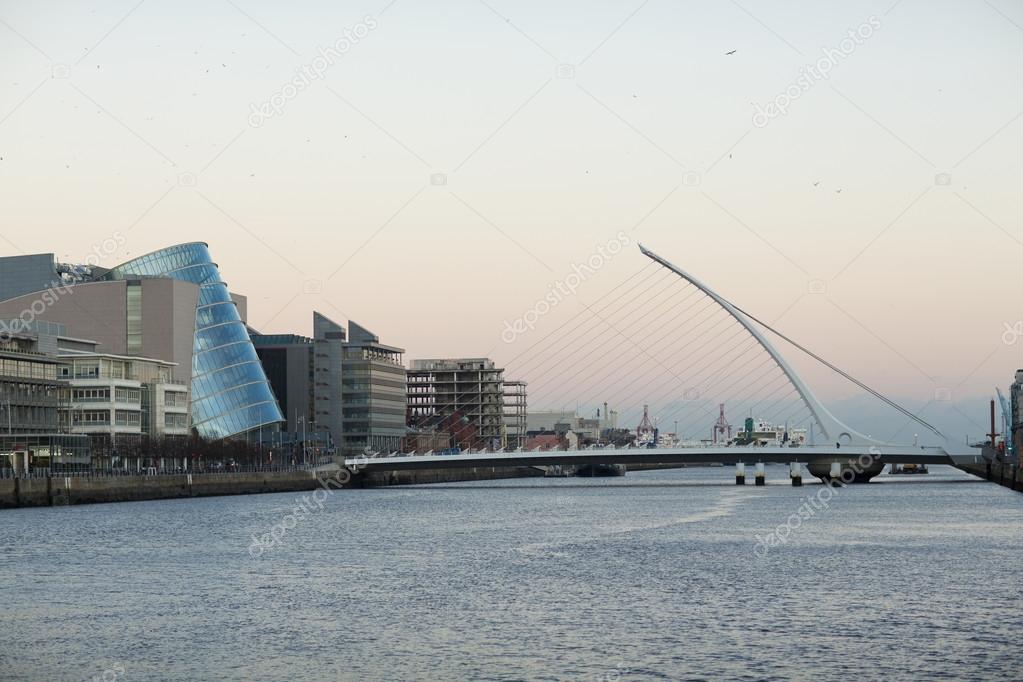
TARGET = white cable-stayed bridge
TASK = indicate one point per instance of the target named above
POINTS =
(677, 341)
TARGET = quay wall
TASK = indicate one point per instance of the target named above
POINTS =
(59, 490)
(998, 472)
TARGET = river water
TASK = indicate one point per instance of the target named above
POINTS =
(656, 575)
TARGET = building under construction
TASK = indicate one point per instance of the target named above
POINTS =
(468, 398)
(515, 413)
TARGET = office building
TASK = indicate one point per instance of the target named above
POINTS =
(30, 393)
(287, 360)
(328, 347)
(373, 393)
(121, 402)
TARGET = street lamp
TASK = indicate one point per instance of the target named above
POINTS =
(302, 421)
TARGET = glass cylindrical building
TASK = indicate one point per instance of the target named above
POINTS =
(231, 395)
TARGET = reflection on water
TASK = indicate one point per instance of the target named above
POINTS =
(652, 576)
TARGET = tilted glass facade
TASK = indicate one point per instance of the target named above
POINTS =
(230, 391)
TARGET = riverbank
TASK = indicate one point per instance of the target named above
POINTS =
(59, 490)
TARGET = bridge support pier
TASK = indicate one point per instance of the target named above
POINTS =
(835, 474)
(740, 474)
(760, 477)
(796, 473)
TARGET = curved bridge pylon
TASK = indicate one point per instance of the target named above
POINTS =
(831, 427)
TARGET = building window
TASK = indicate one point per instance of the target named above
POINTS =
(87, 370)
(127, 395)
(128, 418)
(175, 421)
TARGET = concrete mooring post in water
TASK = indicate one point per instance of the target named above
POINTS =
(760, 478)
(740, 474)
(796, 473)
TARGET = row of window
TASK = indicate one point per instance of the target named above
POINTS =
(91, 395)
(15, 416)
(13, 391)
(93, 417)
(25, 369)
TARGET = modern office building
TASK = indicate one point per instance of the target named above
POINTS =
(30, 393)
(169, 305)
(121, 401)
(29, 387)
(373, 393)
(287, 360)
(341, 383)
(328, 347)
(462, 395)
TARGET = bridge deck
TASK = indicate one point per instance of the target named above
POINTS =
(723, 455)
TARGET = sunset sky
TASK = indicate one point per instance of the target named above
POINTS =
(460, 156)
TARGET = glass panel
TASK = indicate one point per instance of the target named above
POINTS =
(221, 335)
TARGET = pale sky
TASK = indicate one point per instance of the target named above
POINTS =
(554, 126)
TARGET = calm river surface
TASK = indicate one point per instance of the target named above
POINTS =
(657, 575)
